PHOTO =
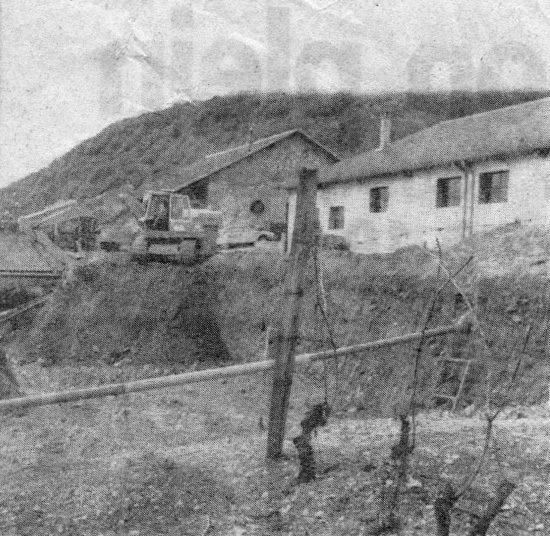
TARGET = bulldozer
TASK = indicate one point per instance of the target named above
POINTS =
(173, 231)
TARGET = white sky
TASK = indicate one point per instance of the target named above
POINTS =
(70, 67)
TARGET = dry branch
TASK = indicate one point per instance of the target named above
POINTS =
(387, 518)
(322, 304)
(393, 488)
(401, 451)
(447, 496)
(443, 504)
(315, 417)
(491, 418)
(411, 410)
(481, 526)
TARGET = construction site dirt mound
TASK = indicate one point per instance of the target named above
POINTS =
(221, 311)
(512, 249)
(118, 312)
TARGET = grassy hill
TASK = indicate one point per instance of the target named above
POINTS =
(141, 152)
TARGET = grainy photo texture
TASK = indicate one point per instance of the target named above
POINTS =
(274, 267)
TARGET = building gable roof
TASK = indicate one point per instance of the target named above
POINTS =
(215, 162)
(509, 131)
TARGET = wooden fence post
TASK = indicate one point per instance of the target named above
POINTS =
(285, 332)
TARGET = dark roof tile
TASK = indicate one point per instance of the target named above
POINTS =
(507, 131)
(217, 161)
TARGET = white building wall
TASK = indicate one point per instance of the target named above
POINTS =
(528, 193)
(412, 216)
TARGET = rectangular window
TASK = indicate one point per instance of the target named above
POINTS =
(493, 187)
(336, 218)
(179, 209)
(448, 192)
(379, 199)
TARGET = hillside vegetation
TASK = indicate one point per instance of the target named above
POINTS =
(150, 150)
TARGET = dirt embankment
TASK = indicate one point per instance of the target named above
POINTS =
(218, 312)
(111, 310)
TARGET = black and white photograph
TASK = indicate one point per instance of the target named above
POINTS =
(274, 268)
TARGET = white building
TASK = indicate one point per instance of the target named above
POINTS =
(448, 181)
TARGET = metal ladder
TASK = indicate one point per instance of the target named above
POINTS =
(467, 362)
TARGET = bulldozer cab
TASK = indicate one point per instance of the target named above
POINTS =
(180, 208)
(164, 209)
(173, 232)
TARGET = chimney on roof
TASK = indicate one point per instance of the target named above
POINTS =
(385, 130)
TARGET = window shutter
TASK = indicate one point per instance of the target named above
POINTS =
(454, 191)
(384, 199)
(500, 187)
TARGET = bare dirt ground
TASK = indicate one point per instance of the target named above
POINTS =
(190, 461)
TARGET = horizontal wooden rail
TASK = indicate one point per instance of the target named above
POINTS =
(24, 274)
(381, 343)
(116, 389)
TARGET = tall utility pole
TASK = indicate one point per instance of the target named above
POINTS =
(285, 334)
